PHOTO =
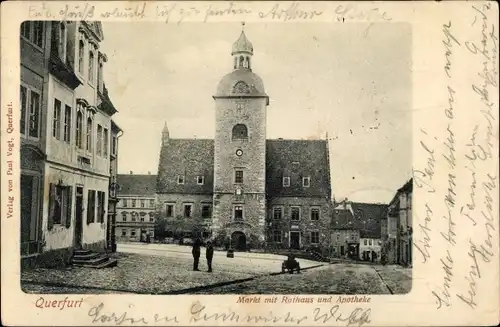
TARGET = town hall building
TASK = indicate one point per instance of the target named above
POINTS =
(241, 187)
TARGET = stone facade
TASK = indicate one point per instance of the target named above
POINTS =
(244, 175)
(311, 227)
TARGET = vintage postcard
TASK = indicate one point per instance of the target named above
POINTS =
(250, 163)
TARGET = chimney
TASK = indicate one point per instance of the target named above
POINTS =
(131, 172)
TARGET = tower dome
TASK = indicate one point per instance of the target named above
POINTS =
(241, 82)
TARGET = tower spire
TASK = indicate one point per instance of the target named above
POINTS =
(165, 134)
(242, 51)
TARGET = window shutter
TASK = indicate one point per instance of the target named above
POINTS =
(69, 206)
(52, 198)
(88, 207)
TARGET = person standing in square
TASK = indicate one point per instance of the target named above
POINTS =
(196, 254)
(209, 255)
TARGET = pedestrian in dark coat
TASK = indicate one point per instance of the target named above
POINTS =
(209, 255)
(196, 254)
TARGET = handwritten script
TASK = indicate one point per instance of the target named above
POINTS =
(200, 313)
(463, 155)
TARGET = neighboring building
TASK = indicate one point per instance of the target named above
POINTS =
(345, 238)
(136, 208)
(398, 244)
(240, 186)
(65, 124)
(369, 247)
(116, 133)
(366, 218)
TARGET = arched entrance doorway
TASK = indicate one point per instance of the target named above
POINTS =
(239, 241)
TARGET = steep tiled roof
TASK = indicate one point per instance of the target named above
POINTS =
(371, 213)
(297, 159)
(294, 158)
(136, 184)
(190, 158)
(341, 219)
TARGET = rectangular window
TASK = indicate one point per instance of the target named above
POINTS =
(91, 207)
(89, 134)
(133, 203)
(113, 150)
(278, 212)
(277, 236)
(314, 213)
(56, 119)
(180, 179)
(125, 203)
(81, 55)
(91, 67)
(286, 181)
(24, 107)
(151, 219)
(151, 203)
(142, 216)
(143, 203)
(366, 242)
(370, 242)
(188, 208)
(99, 77)
(105, 143)
(170, 210)
(38, 33)
(62, 41)
(33, 32)
(67, 124)
(315, 237)
(124, 216)
(295, 213)
(306, 181)
(238, 212)
(206, 211)
(60, 206)
(132, 233)
(238, 176)
(124, 232)
(79, 130)
(200, 180)
(99, 140)
(34, 120)
(100, 206)
(338, 237)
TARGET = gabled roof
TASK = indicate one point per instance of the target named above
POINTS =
(195, 157)
(367, 217)
(133, 184)
(189, 158)
(342, 219)
(297, 159)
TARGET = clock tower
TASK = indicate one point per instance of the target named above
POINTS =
(240, 152)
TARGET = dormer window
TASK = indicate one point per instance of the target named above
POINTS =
(200, 180)
(286, 181)
(306, 181)
(180, 179)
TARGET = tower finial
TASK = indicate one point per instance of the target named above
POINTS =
(243, 26)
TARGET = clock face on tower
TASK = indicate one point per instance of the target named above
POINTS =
(239, 152)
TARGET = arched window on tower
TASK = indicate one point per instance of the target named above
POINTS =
(241, 61)
(240, 132)
(235, 62)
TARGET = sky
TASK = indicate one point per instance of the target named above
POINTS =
(350, 80)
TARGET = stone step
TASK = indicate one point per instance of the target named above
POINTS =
(81, 252)
(109, 263)
(92, 261)
(89, 256)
